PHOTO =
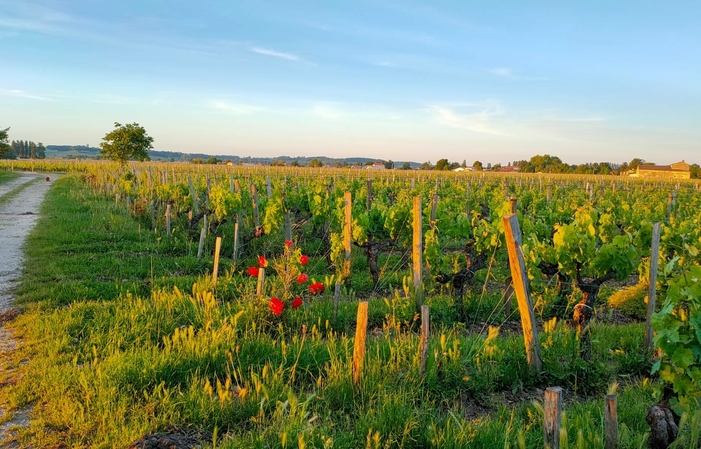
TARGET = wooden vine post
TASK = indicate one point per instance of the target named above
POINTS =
(651, 289)
(552, 417)
(348, 217)
(423, 351)
(236, 241)
(610, 422)
(261, 278)
(361, 328)
(520, 282)
(168, 219)
(215, 269)
(417, 254)
(254, 199)
(203, 235)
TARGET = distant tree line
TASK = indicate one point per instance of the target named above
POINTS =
(26, 148)
(20, 148)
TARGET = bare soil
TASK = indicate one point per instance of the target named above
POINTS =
(17, 218)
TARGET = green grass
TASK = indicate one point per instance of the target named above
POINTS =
(6, 198)
(120, 343)
(7, 176)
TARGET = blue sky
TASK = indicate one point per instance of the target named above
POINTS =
(401, 80)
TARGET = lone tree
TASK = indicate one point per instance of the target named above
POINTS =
(4, 147)
(126, 142)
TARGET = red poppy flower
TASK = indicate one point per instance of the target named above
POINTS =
(288, 243)
(276, 306)
(303, 259)
(302, 278)
(296, 302)
(316, 288)
(262, 261)
(253, 271)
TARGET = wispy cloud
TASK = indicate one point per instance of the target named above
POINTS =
(22, 94)
(485, 120)
(233, 108)
(275, 54)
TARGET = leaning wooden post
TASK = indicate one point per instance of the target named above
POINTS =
(288, 227)
(348, 218)
(361, 328)
(200, 248)
(168, 219)
(611, 422)
(368, 201)
(513, 201)
(520, 281)
(254, 199)
(423, 351)
(236, 241)
(417, 253)
(336, 298)
(651, 289)
(552, 416)
(215, 269)
(261, 278)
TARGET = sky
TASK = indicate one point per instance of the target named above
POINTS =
(403, 80)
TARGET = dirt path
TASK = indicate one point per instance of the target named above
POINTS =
(17, 218)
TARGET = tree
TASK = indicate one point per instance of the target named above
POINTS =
(427, 166)
(4, 147)
(315, 163)
(389, 165)
(212, 160)
(695, 170)
(126, 142)
(406, 166)
(442, 164)
(477, 165)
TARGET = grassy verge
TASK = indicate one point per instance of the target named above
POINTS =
(16, 191)
(6, 176)
(121, 344)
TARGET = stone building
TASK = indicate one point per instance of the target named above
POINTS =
(678, 170)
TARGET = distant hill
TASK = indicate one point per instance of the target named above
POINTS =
(88, 152)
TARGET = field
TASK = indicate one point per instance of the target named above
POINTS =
(125, 332)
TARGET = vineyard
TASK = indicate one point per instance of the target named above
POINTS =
(233, 306)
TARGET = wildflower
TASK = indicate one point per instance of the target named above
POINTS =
(303, 259)
(316, 288)
(302, 278)
(288, 243)
(296, 302)
(276, 306)
(253, 271)
(262, 261)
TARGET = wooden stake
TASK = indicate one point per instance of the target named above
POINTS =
(361, 329)
(552, 417)
(336, 298)
(200, 249)
(417, 253)
(269, 186)
(348, 218)
(168, 219)
(261, 278)
(519, 277)
(423, 350)
(652, 287)
(254, 199)
(288, 227)
(611, 421)
(215, 270)
(236, 241)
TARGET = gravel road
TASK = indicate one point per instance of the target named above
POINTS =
(17, 218)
